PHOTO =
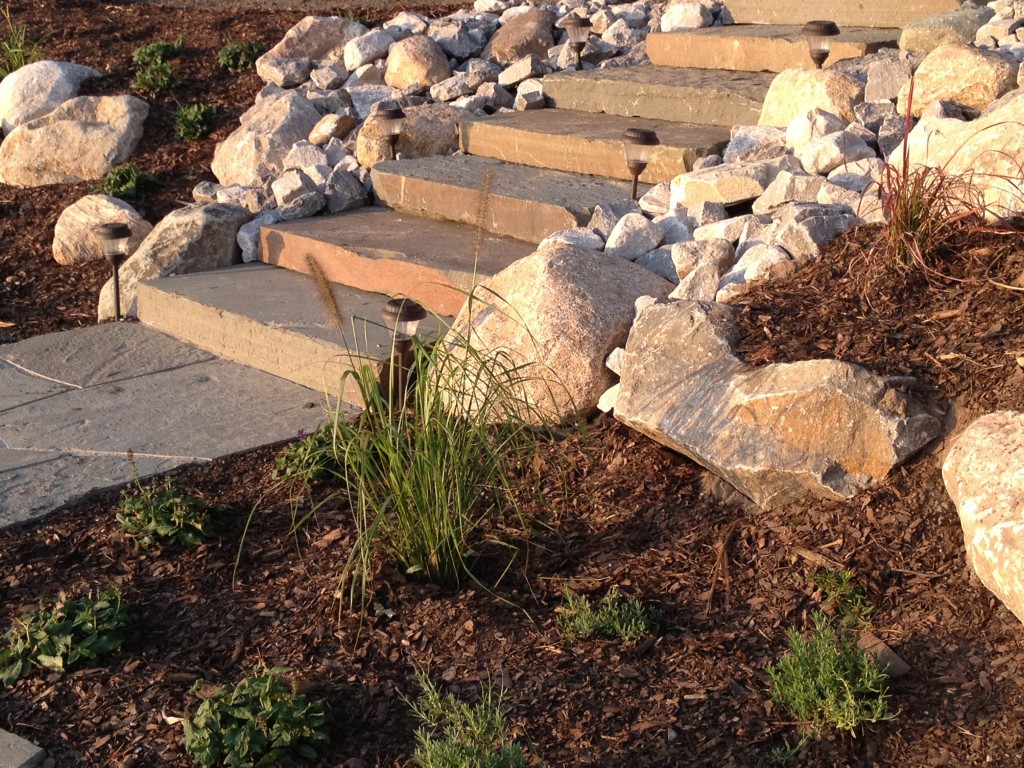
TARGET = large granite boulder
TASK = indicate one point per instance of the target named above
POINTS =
(192, 239)
(558, 313)
(929, 32)
(80, 140)
(73, 239)
(268, 130)
(984, 474)
(777, 433)
(416, 61)
(314, 41)
(525, 34)
(795, 91)
(969, 76)
(35, 89)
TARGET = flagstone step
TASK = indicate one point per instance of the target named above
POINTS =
(759, 47)
(586, 142)
(438, 263)
(274, 320)
(698, 96)
(858, 13)
(523, 202)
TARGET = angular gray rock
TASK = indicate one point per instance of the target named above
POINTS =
(929, 32)
(192, 239)
(632, 236)
(755, 142)
(559, 312)
(777, 433)
(319, 39)
(526, 34)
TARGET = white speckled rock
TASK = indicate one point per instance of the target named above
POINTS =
(633, 235)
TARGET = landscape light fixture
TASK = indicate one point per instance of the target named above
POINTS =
(579, 30)
(819, 36)
(402, 317)
(114, 238)
(391, 119)
(639, 144)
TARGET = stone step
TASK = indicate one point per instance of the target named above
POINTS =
(525, 203)
(273, 320)
(758, 47)
(585, 142)
(860, 13)
(698, 96)
(437, 263)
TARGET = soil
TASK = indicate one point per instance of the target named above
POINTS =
(619, 511)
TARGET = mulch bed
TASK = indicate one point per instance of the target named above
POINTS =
(619, 511)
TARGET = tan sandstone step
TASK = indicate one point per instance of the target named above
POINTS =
(438, 263)
(758, 47)
(856, 13)
(586, 142)
(525, 203)
(273, 320)
(698, 96)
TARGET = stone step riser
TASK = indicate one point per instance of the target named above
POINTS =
(758, 48)
(862, 13)
(579, 142)
(436, 263)
(701, 97)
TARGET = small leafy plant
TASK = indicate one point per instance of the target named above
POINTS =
(126, 182)
(259, 722)
(827, 681)
(236, 57)
(62, 633)
(840, 591)
(16, 51)
(155, 79)
(160, 52)
(160, 514)
(310, 458)
(617, 617)
(459, 735)
(194, 121)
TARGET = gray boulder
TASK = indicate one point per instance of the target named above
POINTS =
(38, 88)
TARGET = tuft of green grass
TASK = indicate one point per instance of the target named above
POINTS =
(840, 591)
(617, 617)
(194, 121)
(16, 51)
(126, 182)
(236, 57)
(827, 681)
(160, 514)
(63, 633)
(454, 734)
(259, 722)
(160, 52)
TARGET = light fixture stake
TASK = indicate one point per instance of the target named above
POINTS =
(639, 144)
(402, 317)
(578, 29)
(114, 238)
(819, 34)
(392, 119)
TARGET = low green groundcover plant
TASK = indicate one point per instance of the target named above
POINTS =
(827, 681)
(155, 79)
(309, 458)
(161, 514)
(160, 52)
(126, 182)
(62, 633)
(194, 121)
(259, 722)
(236, 57)
(459, 735)
(840, 591)
(617, 616)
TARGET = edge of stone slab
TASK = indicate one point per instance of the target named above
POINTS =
(16, 752)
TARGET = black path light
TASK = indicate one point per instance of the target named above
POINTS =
(402, 317)
(391, 120)
(639, 144)
(579, 30)
(114, 238)
(819, 36)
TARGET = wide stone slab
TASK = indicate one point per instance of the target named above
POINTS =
(273, 320)
(525, 203)
(16, 752)
(585, 142)
(19, 387)
(758, 47)
(699, 96)
(862, 13)
(435, 262)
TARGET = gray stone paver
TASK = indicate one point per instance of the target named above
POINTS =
(128, 387)
(15, 752)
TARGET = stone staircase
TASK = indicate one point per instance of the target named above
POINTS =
(547, 171)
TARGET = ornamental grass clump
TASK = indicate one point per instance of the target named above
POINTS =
(63, 633)
(459, 735)
(260, 722)
(16, 51)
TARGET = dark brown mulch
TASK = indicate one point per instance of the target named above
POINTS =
(622, 511)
